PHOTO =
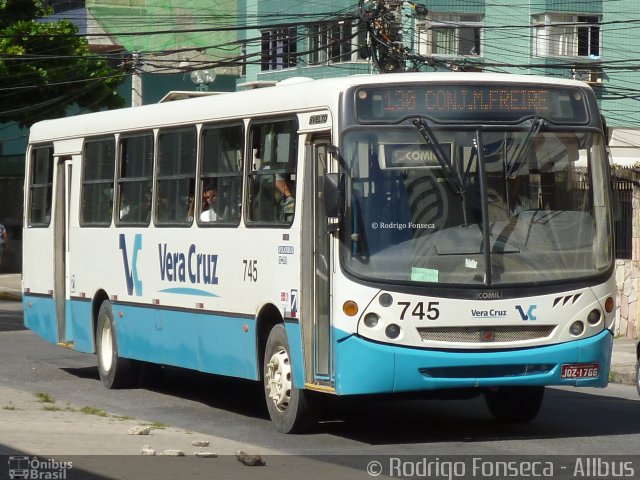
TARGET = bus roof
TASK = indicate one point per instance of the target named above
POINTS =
(289, 96)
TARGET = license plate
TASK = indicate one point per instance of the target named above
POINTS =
(580, 370)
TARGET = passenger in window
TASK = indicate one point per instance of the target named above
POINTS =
(209, 204)
(287, 202)
(137, 213)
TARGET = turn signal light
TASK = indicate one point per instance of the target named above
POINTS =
(350, 308)
(609, 304)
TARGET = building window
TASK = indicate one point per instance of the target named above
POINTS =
(98, 167)
(278, 49)
(333, 42)
(450, 34)
(566, 35)
(176, 172)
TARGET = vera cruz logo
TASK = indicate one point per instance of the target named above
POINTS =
(131, 270)
(530, 315)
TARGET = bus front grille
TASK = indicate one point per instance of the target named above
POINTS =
(485, 334)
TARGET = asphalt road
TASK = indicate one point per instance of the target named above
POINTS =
(572, 422)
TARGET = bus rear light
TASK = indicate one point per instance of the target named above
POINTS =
(392, 331)
(594, 317)
(609, 305)
(350, 308)
(576, 328)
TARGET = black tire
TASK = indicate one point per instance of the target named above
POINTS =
(290, 409)
(115, 372)
(514, 404)
(638, 376)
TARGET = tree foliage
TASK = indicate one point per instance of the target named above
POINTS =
(46, 67)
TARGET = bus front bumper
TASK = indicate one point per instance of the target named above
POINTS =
(365, 367)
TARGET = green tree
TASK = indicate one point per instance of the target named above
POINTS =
(46, 67)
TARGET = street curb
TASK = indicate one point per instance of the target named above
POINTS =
(11, 296)
(623, 378)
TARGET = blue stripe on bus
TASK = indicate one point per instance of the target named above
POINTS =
(368, 367)
(40, 316)
(210, 343)
(82, 325)
(189, 291)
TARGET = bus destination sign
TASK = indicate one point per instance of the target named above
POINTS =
(471, 103)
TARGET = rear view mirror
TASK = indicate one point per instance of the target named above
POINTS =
(334, 190)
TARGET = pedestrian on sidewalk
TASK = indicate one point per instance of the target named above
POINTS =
(4, 242)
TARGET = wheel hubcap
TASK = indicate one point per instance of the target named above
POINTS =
(279, 379)
(106, 347)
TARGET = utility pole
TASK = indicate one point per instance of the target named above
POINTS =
(136, 80)
(388, 23)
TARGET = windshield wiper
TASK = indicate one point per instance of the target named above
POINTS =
(534, 129)
(456, 180)
(453, 180)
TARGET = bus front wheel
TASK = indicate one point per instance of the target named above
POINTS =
(289, 407)
(514, 404)
(115, 372)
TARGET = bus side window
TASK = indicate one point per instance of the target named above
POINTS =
(176, 171)
(98, 170)
(272, 180)
(40, 188)
(221, 175)
(135, 175)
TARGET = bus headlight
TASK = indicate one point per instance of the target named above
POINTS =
(371, 320)
(594, 317)
(576, 328)
(385, 300)
(392, 331)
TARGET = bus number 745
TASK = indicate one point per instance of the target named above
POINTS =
(250, 270)
(418, 310)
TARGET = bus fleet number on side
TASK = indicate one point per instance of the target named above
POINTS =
(250, 270)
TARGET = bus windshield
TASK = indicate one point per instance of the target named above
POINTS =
(462, 205)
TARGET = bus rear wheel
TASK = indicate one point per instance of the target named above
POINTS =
(115, 372)
(514, 404)
(290, 408)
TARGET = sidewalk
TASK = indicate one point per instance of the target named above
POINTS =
(623, 360)
(10, 286)
(33, 426)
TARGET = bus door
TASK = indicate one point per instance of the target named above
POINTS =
(316, 270)
(60, 232)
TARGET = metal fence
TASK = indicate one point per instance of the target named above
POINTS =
(623, 220)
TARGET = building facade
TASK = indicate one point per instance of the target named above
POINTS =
(224, 45)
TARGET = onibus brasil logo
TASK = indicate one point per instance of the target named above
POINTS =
(21, 466)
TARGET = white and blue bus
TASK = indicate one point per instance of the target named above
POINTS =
(360, 235)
